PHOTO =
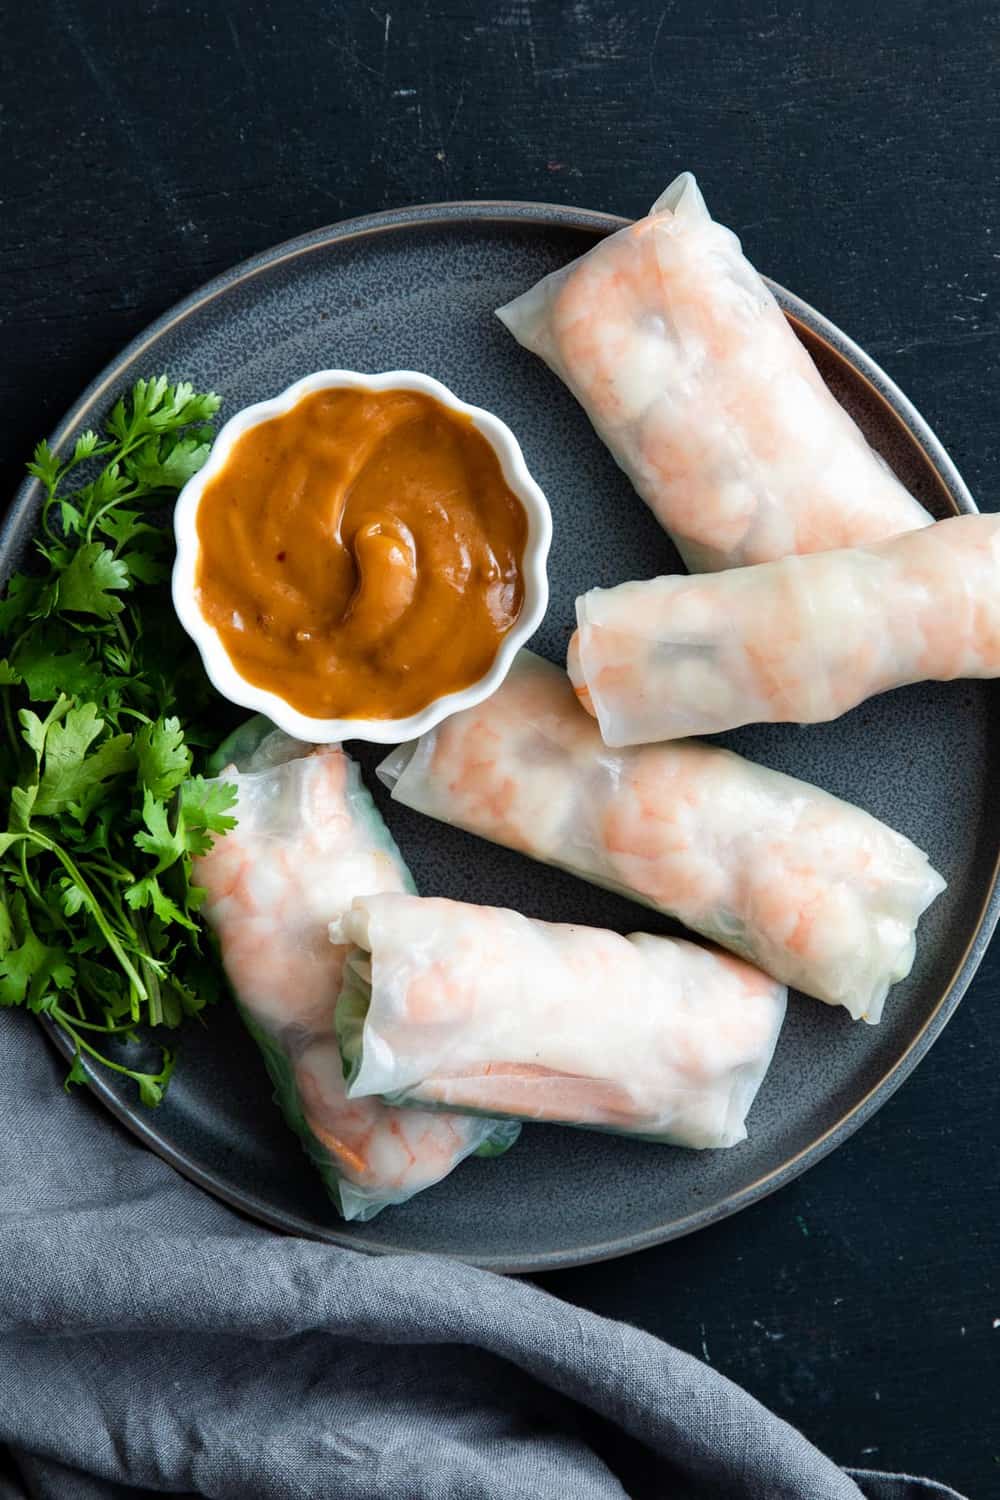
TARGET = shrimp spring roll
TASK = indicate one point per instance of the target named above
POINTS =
(800, 640)
(688, 369)
(474, 1007)
(307, 841)
(814, 891)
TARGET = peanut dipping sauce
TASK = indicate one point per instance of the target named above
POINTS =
(361, 555)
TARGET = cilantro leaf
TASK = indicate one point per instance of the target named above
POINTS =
(22, 800)
(156, 406)
(88, 583)
(6, 924)
(149, 892)
(47, 671)
(71, 517)
(70, 768)
(77, 1072)
(103, 700)
(159, 840)
(205, 805)
(122, 525)
(163, 758)
(193, 984)
(86, 445)
(70, 896)
(170, 467)
(153, 1086)
(32, 970)
(33, 731)
(144, 567)
(44, 466)
(22, 596)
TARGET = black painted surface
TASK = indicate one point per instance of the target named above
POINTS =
(142, 149)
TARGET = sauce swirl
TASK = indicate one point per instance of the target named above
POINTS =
(362, 554)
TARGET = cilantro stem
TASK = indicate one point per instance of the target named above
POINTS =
(78, 1021)
(30, 885)
(50, 500)
(110, 505)
(106, 930)
(98, 881)
(52, 911)
(106, 637)
(8, 714)
(123, 637)
(155, 998)
(150, 974)
(68, 1024)
(111, 868)
(82, 627)
(12, 652)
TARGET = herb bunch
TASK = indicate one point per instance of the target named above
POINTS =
(104, 708)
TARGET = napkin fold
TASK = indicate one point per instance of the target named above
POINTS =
(152, 1341)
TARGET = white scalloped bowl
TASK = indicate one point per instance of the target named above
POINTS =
(218, 665)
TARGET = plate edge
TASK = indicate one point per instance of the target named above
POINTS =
(522, 212)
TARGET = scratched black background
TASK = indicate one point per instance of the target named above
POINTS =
(145, 147)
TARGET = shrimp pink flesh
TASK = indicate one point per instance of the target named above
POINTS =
(693, 377)
(523, 1020)
(813, 890)
(297, 857)
(801, 640)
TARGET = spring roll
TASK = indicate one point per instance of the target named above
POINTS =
(812, 890)
(307, 841)
(801, 640)
(691, 374)
(474, 1007)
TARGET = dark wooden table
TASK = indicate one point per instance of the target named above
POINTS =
(145, 147)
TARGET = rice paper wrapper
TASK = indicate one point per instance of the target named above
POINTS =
(691, 374)
(806, 886)
(798, 640)
(470, 1007)
(307, 841)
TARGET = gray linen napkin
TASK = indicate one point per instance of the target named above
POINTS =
(153, 1341)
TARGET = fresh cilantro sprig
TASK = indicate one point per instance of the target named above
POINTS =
(103, 707)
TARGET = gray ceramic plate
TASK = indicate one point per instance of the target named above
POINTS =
(416, 288)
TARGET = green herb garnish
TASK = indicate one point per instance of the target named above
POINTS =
(103, 702)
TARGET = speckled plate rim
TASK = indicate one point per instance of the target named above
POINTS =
(461, 215)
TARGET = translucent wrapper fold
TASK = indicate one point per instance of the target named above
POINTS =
(692, 376)
(813, 890)
(475, 1007)
(309, 840)
(801, 640)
